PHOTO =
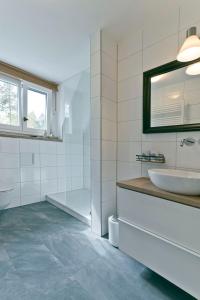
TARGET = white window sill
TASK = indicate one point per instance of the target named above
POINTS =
(29, 136)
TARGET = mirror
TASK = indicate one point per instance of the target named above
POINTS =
(171, 99)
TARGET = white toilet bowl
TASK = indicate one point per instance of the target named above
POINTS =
(5, 191)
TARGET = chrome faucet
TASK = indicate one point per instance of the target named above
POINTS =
(189, 141)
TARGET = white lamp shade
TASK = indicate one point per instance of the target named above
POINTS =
(193, 69)
(190, 49)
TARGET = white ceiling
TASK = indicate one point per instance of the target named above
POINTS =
(51, 37)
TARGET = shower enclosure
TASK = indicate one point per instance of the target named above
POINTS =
(76, 136)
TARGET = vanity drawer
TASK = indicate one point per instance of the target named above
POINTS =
(174, 263)
(173, 221)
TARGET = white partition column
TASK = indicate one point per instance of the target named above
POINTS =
(103, 129)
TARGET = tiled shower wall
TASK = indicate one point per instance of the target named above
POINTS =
(35, 168)
(139, 52)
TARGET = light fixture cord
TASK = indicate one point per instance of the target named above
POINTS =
(179, 27)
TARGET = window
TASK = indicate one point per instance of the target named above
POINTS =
(10, 90)
(24, 106)
(36, 110)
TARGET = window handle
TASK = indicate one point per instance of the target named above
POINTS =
(25, 119)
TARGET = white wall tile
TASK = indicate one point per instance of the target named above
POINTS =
(48, 160)
(130, 66)
(130, 88)
(129, 131)
(8, 160)
(76, 149)
(20, 162)
(109, 130)
(61, 160)
(130, 110)
(127, 151)
(146, 166)
(109, 45)
(61, 172)
(103, 124)
(30, 188)
(109, 66)
(9, 145)
(95, 170)
(95, 149)
(47, 147)
(108, 170)
(95, 62)
(109, 149)
(95, 86)
(166, 148)
(77, 183)
(77, 171)
(60, 148)
(154, 33)
(29, 199)
(109, 191)
(95, 108)
(30, 174)
(48, 187)
(159, 137)
(160, 53)
(28, 159)
(13, 196)
(10, 175)
(109, 109)
(62, 185)
(29, 146)
(130, 45)
(48, 173)
(128, 170)
(188, 157)
(109, 88)
(95, 129)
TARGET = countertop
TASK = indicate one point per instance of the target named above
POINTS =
(145, 186)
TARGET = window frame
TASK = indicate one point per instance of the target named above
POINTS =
(23, 87)
(18, 83)
(30, 86)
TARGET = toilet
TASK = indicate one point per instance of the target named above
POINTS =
(5, 190)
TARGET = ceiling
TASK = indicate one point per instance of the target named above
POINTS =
(51, 37)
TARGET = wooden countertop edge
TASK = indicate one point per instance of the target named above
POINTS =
(193, 201)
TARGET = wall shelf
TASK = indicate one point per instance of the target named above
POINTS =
(152, 158)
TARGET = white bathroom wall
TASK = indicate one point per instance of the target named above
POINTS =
(139, 52)
(108, 127)
(95, 87)
(103, 134)
(35, 168)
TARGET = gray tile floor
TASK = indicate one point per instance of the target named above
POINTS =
(47, 254)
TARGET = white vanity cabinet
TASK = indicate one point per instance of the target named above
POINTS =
(163, 235)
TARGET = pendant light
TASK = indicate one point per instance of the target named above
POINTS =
(190, 49)
(193, 69)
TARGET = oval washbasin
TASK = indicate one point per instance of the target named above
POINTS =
(176, 181)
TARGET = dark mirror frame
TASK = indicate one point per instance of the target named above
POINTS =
(174, 65)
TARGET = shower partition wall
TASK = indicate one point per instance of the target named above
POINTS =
(76, 135)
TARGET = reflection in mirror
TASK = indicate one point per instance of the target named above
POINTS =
(175, 98)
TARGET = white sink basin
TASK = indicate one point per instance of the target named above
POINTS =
(176, 181)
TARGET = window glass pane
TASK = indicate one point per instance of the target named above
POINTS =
(9, 103)
(37, 110)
